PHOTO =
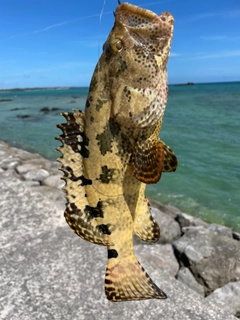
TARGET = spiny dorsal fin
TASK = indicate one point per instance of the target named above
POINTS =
(148, 160)
(127, 280)
(79, 215)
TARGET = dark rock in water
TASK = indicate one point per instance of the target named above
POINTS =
(45, 109)
(16, 109)
(72, 101)
(5, 100)
(23, 116)
(213, 259)
(185, 84)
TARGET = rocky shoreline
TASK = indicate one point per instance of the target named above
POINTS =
(204, 257)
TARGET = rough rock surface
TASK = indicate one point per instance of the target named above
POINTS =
(49, 273)
(158, 256)
(185, 276)
(214, 260)
(221, 230)
(169, 228)
(227, 297)
(185, 220)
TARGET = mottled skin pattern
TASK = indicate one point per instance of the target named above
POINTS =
(112, 150)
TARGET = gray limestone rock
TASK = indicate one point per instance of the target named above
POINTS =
(221, 230)
(41, 162)
(214, 260)
(54, 181)
(9, 162)
(24, 168)
(169, 228)
(186, 277)
(31, 183)
(47, 272)
(227, 298)
(36, 175)
(170, 210)
(186, 220)
(159, 256)
(53, 194)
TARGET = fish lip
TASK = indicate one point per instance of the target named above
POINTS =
(137, 10)
(145, 13)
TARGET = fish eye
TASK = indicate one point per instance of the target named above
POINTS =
(117, 46)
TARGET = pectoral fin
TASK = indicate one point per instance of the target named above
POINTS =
(170, 160)
(152, 158)
(148, 161)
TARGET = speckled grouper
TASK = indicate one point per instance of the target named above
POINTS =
(112, 150)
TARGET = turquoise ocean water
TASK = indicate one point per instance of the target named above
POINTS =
(201, 124)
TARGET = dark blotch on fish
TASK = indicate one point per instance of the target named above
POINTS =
(112, 253)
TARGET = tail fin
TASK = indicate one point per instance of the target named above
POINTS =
(127, 280)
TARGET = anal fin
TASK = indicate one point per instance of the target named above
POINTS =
(145, 227)
(127, 280)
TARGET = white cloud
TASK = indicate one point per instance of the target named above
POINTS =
(221, 37)
(213, 38)
(174, 54)
(201, 16)
(221, 54)
(56, 25)
(231, 14)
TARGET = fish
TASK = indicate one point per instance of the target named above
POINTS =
(112, 150)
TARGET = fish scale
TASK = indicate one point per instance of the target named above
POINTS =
(112, 150)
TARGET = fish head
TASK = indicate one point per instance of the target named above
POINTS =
(135, 55)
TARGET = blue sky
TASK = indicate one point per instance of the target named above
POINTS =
(57, 43)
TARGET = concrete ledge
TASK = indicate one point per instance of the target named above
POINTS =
(50, 273)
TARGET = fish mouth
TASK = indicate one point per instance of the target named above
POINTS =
(147, 28)
(134, 16)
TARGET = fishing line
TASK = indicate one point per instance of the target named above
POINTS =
(101, 13)
(100, 21)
